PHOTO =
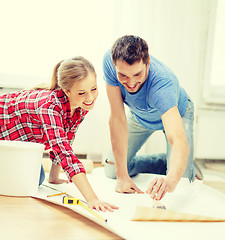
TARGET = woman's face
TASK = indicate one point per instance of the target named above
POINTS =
(83, 93)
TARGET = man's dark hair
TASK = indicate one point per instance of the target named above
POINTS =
(131, 49)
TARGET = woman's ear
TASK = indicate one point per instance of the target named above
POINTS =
(66, 92)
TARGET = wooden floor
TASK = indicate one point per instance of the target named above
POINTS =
(23, 218)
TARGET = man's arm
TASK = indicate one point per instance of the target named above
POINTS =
(175, 133)
(176, 136)
(119, 139)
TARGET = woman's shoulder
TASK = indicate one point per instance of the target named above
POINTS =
(55, 100)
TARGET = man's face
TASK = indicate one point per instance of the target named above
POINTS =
(132, 77)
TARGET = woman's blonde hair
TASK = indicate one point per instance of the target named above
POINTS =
(67, 72)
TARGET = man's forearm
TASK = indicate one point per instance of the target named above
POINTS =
(119, 139)
(178, 159)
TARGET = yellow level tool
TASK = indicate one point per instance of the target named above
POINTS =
(76, 201)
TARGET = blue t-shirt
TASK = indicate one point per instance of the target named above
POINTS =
(159, 93)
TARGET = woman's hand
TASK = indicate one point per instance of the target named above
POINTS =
(101, 206)
(81, 182)
(57, 181)
(54, 175)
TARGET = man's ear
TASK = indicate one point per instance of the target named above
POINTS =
(113, 64)
(148, 64)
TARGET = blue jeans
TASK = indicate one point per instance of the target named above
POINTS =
(42, 175)
(152, 163)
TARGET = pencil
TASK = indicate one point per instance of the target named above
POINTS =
(57, 194)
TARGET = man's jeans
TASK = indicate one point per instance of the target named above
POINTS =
(152, 163)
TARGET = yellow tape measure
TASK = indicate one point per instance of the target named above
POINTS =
(70, 200)
(76, 201)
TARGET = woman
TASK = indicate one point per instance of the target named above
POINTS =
(52, 117)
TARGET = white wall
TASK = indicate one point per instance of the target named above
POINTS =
(210, 133)
(176, 31)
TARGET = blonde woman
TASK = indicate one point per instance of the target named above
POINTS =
(52, 117)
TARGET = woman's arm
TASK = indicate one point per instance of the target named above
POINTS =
(54, 175)
(81, 182)
(62, 151)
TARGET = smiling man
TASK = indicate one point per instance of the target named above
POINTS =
(156, 102)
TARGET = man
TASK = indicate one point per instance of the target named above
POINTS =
(156, 102)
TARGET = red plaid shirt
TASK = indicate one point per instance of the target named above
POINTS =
(43, 116)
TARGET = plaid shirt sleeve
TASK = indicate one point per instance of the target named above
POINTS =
(62, 152)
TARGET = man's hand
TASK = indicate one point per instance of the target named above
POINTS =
(160, 186)
(126, 185)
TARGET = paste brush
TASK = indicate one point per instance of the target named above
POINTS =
(157, 204)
